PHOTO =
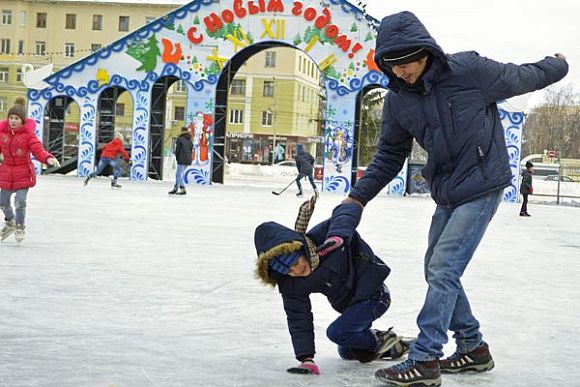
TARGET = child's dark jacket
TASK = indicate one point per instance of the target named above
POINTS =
(349, 274)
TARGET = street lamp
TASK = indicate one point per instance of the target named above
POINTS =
(274, 121)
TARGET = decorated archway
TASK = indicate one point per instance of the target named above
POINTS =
(196, 44)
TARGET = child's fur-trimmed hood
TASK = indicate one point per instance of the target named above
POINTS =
(272, 240)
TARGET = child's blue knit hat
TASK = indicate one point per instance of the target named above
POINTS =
(283, 263)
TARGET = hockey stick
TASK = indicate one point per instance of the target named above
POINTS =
(285, 188)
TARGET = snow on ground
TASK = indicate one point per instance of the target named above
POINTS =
(131, 287)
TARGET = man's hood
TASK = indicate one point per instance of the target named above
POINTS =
(403, 31)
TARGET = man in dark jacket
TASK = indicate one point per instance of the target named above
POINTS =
(183, 150)
(350, 277)
(305, 165)
(447, 102)
(526, 188)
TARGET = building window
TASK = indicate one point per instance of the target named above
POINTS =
(268, 89)
(149, 19)
(69, 50)
(179, 113)
(18, 75)
(267, 118)
(180, 87)
(120, 109)
(123, 23)
(40, 48)
(97, 22)
(2, 104)
(238, 87)
(71, 21)
(6, 17)
(270, 59)
(236, 116)
(300, 63)
(4, 46)
(4, 72)
(23, 18)
(96, 47)
(21, 47)
(41, 20)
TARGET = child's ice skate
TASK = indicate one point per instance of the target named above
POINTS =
(19, 233)
(8, 229)
(114, 184)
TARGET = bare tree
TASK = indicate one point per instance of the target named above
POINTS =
(555, 124)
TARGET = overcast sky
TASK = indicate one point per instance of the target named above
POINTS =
(515, 31)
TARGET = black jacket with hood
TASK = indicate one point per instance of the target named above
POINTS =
(304, 160)
(451, 112)
(183, 149)
(345, 276)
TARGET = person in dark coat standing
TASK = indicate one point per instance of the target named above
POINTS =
(352, 279)
(305, 165)
(183, 150)
(447, 102)
(526, 188)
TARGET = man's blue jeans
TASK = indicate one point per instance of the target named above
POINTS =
(310, 177)
(453, 238)
(179, 182)
(103, 162)
(352, 328)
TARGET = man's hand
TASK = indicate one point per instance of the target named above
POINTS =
(352, 200)
(306, 367)
(330, 244)
(560, 56)
(53, 162)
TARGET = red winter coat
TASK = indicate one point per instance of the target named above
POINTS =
(113, 147)
(17, 170)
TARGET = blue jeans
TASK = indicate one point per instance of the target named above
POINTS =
(179, 175)
(453, 238)
(302, 176)
(19, 204)
(352, 328)
(103, 162)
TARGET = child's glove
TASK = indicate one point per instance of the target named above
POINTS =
(306, 367)
(53, 162)
(330, 244)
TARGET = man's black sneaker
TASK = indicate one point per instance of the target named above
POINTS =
(397, 351)
(385, 341)
(411, 373)
(478, 360)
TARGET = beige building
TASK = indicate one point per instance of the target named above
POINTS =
(40, 32)
(274, 97)
(274, 102)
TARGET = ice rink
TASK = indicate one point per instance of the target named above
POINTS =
(132, 287)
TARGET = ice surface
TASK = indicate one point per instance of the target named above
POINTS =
(131, 287)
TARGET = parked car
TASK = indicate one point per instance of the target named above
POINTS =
(562, 178)
(285, 168)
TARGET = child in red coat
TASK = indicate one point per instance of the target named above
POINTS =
(109, 154)
(17, 173)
